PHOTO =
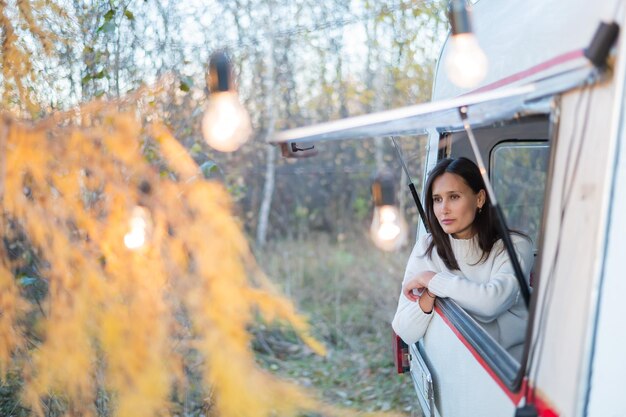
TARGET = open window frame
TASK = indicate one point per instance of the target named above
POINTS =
(538, 129)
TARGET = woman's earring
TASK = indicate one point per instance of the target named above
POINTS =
(480, 210)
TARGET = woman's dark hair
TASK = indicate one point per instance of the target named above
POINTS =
(484, 224)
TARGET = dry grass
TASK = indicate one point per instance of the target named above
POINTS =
(349, 290)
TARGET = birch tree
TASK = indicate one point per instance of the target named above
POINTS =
(270, 117)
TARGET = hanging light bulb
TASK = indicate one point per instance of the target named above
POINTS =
(140, 226)
(226, 124)
(388, 230)
(466, 63)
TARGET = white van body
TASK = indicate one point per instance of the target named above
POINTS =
(541, 98)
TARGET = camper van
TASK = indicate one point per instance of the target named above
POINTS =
(548, 123)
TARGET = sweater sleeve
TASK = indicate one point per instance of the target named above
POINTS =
(487, 300)
(410, 322)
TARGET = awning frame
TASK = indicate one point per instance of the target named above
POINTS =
(483, 108)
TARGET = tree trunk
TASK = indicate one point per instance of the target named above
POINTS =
(373, 81)
(270, 163)
(268, 192)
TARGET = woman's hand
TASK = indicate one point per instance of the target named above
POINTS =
(417, 283)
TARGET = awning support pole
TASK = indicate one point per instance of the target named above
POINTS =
(416, 198)
(501, 222)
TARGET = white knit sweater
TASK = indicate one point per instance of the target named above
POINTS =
(487, 290)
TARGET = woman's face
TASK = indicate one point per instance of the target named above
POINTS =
(455, 205)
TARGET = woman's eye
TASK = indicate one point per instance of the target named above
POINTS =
(454, 197)
(437, 199)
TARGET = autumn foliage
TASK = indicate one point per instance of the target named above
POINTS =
(125, 324)
(123, 321)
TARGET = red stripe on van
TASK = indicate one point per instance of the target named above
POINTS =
(557, 60)
(515, 397)
(542, 406)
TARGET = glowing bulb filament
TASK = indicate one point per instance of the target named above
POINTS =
(466, 63)
(388, 230)
(226, 124)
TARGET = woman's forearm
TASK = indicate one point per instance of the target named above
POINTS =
(410, 322)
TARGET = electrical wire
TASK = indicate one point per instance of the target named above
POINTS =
(288, 33)
(340, 23)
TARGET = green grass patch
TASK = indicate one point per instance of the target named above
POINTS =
(349, 291)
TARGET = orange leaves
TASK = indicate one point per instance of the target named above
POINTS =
(10, 306)
(16, 52)
(123, 320)
(176, 155)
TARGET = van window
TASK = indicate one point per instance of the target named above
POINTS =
(518, 174)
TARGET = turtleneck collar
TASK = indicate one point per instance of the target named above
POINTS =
(466, 249)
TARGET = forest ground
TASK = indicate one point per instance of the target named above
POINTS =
(348, 289)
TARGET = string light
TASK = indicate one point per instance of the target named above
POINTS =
(466, 63)
(388, 230)
(226, 124)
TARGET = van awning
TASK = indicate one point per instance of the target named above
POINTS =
(483, 108)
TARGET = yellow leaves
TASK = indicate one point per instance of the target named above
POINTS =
(16, 53)
(273, 308)
(136, 360)
(27, 12)
(175, 154)
(10, 306)
(124, 320)
(121, 141)
(54, 368)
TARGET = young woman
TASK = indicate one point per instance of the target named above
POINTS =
(463, 259)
